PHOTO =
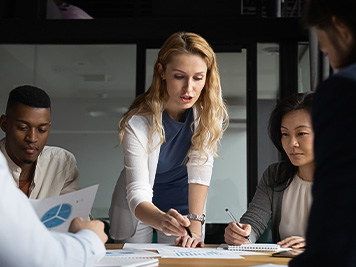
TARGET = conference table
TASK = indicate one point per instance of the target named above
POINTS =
(251, 260)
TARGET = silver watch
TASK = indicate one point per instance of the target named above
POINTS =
(195, 217)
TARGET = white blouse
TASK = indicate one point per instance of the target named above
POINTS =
(297, 199)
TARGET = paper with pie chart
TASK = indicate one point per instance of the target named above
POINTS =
(56, 213)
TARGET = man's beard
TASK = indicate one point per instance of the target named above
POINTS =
(28, 161)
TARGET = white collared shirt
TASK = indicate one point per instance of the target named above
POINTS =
(25, 241)
(56, 172)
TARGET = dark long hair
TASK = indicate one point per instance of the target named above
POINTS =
(299, 101)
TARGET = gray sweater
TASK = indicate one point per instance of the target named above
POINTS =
(267, 203)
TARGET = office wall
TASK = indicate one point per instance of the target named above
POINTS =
(229, 184)
(94, 142)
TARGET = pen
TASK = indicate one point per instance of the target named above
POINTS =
(188, 231)
(187, 228)
(237, 223)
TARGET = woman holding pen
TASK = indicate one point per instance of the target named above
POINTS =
(170, 136)
(284, 191)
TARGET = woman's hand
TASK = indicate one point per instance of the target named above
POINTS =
(173, 223)
(292, 242)
(189, 242)
(236, 236)
(195, 240)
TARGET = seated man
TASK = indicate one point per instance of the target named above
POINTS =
(27, 242)
(40, 171)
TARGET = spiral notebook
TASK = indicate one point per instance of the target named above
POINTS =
(252, 247)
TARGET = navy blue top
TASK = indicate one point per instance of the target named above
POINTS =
(170, 189)
(334, 186)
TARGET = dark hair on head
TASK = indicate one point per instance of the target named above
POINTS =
(30, 96)
(298, 101)
(319, 13)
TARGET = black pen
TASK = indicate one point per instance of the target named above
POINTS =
(237, 223)
(187, 228)
(188, 231)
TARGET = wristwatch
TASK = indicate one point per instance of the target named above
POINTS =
(195, 217)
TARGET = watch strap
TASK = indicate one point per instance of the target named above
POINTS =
(196, 217)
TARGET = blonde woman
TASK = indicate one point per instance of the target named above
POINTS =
(170, 136)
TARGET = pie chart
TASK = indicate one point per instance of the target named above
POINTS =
(56, 215)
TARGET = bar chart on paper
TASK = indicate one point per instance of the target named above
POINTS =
(206, 253)
(202, 254)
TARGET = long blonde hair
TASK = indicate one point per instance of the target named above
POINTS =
(211, 109)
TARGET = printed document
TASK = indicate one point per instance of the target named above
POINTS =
(56, 213)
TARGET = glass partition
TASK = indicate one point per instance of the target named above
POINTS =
(267, 95)
(303, 68)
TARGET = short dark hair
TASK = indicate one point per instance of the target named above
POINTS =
(319, 13)
(298, 101)
(30, 96)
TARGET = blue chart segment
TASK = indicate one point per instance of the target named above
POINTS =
(56, 215)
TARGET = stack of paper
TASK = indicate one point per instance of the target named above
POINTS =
(129, 258)
(122, 262)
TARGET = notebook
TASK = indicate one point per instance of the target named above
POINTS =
(252, 247)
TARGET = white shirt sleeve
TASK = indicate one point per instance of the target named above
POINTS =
(25, 241)
(200, 169)
(136, 162)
